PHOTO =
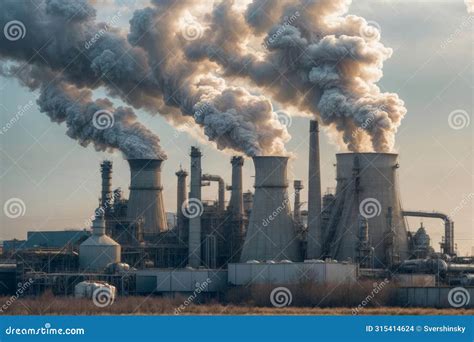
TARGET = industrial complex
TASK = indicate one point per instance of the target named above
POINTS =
(259, 237)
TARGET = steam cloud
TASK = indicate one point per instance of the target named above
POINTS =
(315, 59)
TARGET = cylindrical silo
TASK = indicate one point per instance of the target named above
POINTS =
(99, 250)
(271, 234)
(367, 186)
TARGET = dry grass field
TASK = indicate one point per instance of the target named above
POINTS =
(51, 305)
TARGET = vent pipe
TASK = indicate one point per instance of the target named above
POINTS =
(221, 189)
(194, 242)
(236, 199)
(146, 198)
(182, 197)
(106, 194)
(271, 234)
(314, 194)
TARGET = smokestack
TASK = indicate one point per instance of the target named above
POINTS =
(181, 196)
(271, 234)
(221, 189)
(236, 199)
(146, 198)
(297, 206)
(314, 194)
(194, 244)
(106, 194)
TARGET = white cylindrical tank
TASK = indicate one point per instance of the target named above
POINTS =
(99, 250)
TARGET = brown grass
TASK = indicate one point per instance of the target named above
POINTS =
(48, 304)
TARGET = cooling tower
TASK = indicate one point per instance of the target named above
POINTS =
(367, 186)
(271, 233)
(146, 199)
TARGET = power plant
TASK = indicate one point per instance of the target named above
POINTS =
(260, 236)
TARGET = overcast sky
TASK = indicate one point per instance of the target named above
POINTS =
(431, 69)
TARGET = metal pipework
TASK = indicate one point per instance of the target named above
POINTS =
(314, 194)
(448, 245)
(221, 189)
(194, 241)
(298, 186)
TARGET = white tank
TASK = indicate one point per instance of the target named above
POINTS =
(99, 250)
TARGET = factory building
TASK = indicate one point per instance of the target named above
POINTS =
(359, 230)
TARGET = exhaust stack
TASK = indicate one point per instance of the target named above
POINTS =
(298, 186)
(236, 198)
(314, 195)
(194, 242)
(106, 194)
(271, 234)
(146, 198)
(182, 197)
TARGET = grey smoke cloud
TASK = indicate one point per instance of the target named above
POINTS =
(317, 58)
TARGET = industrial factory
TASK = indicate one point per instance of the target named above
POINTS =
(357, 232)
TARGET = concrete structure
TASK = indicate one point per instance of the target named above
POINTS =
(194, 240)
(314, 247)
(298, 186)
(236, 199)
(99, 250)
(180, 280)
(281, 273)
(146, 198)
(367, 185)
(271, 234)
(182, 197)
(106, 193)
(221, 189)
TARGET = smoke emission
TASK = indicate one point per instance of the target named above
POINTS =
(181, 60)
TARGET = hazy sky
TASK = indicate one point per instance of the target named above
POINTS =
(431, 69)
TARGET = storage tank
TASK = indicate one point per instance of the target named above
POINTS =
(99, 250)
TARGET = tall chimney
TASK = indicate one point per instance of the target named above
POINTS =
(271, 234)
(146, 198)
(314, 194)
(106, 194)
(194, 244)
(298, 186)
(221, 189)
(236, 199)
(182, 196)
